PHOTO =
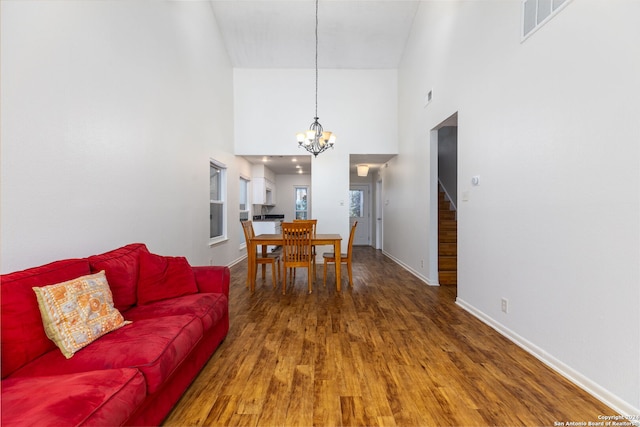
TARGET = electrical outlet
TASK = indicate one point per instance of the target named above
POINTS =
(504, 305)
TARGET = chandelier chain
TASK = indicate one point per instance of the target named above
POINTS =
(317, 58)
(316, 140)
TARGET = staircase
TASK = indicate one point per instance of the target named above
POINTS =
(447, 241)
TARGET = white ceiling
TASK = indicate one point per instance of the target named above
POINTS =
(352, 34)
(289, 165)
(284, 165)
(356, 34)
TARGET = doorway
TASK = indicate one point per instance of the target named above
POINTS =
(443, 202)
(359, 201)
(379, 211)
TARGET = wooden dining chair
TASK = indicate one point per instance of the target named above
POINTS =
(296, 250)
(273, 258)
(330, 257)
(314, 223)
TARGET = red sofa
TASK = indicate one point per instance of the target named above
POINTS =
(130, 376)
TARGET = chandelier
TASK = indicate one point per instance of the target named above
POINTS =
(316, 139)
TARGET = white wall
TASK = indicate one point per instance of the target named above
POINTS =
(551, 127)
(110, 113)
(285, 186)
(360, 106)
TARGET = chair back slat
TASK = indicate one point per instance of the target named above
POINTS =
(296, 237)
(313, 222)
(247, 227)
(297, 249)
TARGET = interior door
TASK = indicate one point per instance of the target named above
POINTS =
(359, 211)
(379, 211)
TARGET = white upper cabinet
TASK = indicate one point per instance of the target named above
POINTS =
(264, 187)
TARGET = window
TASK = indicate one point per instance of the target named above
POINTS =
(217, 193)
(302, 206)
(244, 206)
(356, 203)
(536, 13)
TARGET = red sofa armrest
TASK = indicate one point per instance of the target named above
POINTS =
(214, 279)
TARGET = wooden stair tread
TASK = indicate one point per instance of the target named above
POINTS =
(447, 263)
(447, 241)
(448, 277)
(446, 248)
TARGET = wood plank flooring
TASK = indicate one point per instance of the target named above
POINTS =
(391, 351)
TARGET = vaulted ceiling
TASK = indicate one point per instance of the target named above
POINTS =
(353, 34)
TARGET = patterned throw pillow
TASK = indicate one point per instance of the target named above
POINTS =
(77, 312)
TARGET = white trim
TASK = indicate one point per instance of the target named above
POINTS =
(425, 279)
(432, 195)
(218, 240)
(594, 389)
(379, 225)
(553, 13)
(368, 207)
(217, 163)
(223, 201)
(237, 261)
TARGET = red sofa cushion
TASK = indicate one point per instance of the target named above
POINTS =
(155, 346)
(108, 398)
(121, 267)
(214, 279)
(209, 308)
(23, 336)
(163, 277)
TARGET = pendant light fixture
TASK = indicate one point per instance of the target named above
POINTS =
(316, 139)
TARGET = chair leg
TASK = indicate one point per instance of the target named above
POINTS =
(284, 280)
(309, 280)
(324, 275)
(350, 274)
(273, 273)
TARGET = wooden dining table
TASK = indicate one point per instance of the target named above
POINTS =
(265, 240)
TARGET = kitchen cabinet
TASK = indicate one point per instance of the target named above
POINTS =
(264, 192)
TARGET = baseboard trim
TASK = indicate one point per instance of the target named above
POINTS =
(237, 260)
(614, 402)
(425, 279)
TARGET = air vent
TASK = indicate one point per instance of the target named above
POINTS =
(536, 13)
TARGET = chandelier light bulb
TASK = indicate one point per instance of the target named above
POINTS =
(311, 134)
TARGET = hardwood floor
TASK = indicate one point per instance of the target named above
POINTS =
(391, 351)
